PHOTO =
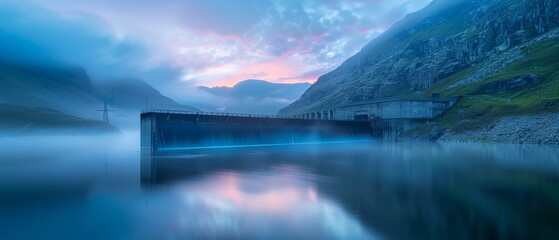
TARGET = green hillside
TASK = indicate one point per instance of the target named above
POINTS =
(476, 110)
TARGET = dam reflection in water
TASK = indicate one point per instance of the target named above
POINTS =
(364, 191)
(327, 191)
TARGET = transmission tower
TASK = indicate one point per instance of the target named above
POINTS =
(105, 112)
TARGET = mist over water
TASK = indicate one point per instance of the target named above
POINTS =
(103, 188)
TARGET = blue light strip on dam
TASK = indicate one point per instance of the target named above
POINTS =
(162, 131)
(261, 145)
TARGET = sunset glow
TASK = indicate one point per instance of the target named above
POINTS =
(218, 42)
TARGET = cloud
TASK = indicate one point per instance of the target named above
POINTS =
(177, 45)
(256, 96)
(32, 34)
(306, 35)
(224, 17)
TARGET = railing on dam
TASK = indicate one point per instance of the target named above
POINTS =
(215, 114)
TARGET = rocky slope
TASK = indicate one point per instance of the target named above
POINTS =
(540, 129)
(449, 47)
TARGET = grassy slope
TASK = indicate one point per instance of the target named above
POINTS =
(33, 120)
(476, 111)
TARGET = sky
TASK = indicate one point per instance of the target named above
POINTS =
(254, 97)
(178, 45)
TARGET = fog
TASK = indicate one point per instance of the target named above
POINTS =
(103, 188)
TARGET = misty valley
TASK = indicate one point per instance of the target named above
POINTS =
(279, 119)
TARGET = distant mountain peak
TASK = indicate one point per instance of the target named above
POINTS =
(257, 96)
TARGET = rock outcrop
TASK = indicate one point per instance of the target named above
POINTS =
(508, 85)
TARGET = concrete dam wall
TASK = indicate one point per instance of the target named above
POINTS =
(393, 108)
(162, 130)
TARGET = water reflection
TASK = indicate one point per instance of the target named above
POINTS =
(332, 191)
(256, 193)
(382, 190)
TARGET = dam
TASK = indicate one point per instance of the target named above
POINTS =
(389, 118)
(390, 108)
(165, 130)
(168, 130)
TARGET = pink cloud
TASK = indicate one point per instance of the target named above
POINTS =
(220, 42)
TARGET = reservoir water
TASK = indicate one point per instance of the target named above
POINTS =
(103, 188)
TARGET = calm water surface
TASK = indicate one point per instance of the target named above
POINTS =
(103, 188)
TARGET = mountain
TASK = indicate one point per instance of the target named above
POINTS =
(500, 55)
(133, 94)
(70, 90)
(431, 45)
(67, 89)
(256, 96)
